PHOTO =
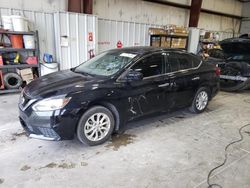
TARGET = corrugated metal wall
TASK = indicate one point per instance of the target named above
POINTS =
(129, 33)
(41, 21)
(73, 33)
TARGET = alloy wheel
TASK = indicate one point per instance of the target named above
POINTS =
(97, 126)
(201, 100)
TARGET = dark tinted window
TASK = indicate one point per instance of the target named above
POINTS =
(185, 61)
(178, 61)
(196, 61)
(150, 66)
(173, 62)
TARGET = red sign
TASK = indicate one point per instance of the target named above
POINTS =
(119, 44)
(90, 36)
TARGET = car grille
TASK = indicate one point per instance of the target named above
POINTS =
(48, 132)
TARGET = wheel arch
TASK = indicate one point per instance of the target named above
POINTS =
(110, 106)
(206, 85)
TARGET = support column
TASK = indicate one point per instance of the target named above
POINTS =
(195, 10)
(88, 6)
(75, 6)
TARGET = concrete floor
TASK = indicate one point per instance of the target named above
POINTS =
(175, 150)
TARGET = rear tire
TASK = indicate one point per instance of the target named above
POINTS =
(200, 100)
(95, 126)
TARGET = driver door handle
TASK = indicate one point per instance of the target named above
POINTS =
(196, 78)
(164, 85)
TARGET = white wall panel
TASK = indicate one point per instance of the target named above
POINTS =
(218, 23)
(129, 33)
(140, 11)
(36, 5)
(72, 32)
(146, 12)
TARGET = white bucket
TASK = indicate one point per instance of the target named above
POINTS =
(29, 41)
(20, 23)
(7, 23)
(47, 68)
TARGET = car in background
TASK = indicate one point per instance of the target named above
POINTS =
(98, 97)
(234, 62)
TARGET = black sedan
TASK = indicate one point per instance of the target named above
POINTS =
(99, 96)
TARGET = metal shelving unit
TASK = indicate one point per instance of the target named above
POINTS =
(35, 52)
(2, 50)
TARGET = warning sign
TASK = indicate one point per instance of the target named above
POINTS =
(119, 44)
(90, 36)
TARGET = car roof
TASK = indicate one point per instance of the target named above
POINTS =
(142, 50)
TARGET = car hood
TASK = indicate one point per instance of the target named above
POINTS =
(235, 46)
(57, 83)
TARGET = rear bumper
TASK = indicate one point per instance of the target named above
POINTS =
(241, 83)
(215, 90)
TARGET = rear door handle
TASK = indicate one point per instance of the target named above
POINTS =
(164, 85)
(196, 78)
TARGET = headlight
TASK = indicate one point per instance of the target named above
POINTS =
(50, 104)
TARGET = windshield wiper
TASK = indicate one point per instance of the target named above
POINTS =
(81, 72)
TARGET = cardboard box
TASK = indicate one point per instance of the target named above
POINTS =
(176, 30)
(165, 42)
(157, 31)
(179, 43)
(26, 74)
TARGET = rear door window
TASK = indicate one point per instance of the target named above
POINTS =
(151, 65)
(179, 61)
(173, 62)
(196, 60)
(185, 61)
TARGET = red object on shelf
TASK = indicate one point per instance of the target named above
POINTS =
(16, 41)
(31, 60)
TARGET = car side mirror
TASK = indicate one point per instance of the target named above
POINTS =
(133, 75)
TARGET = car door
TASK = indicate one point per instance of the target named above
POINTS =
(180, 78)
(147, 95)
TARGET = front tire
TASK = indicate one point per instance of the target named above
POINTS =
(200, 100)
(95, 126)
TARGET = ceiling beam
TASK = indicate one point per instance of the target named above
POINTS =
(179, 5)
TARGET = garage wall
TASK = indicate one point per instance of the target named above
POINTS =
(36, 5)
(146, 12)
(128, 33)
(140, 11)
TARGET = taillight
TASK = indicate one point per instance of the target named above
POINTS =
(217, 71)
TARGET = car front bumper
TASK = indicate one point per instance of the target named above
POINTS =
(51, 125)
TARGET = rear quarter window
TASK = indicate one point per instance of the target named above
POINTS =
(196, 61)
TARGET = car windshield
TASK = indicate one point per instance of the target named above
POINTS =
(105, 64)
